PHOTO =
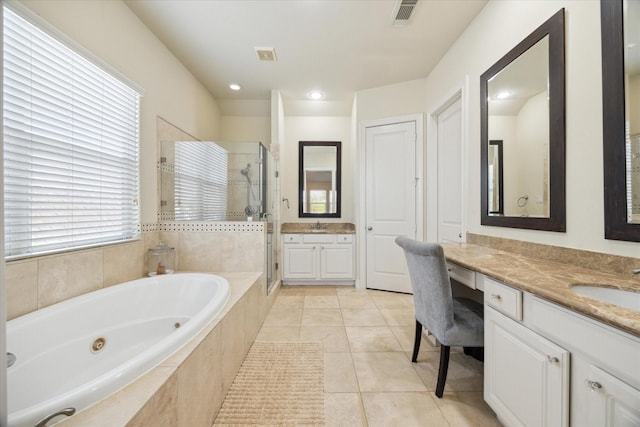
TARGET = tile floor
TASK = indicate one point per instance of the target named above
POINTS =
(369, 379)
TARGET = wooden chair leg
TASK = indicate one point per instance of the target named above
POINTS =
(416, 342)
(444, 367)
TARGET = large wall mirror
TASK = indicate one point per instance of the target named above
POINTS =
(319, 177)
(621, 118)
(522, 109)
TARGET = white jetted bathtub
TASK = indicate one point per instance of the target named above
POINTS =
(77, 352)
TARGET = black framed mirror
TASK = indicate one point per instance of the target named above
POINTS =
(620, 21)
(319, 179)
(522, 103)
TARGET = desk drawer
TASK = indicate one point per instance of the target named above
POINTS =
(292, 238)
(503, 298)
(463, 275)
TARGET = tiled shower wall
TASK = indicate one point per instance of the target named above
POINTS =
(220, 247)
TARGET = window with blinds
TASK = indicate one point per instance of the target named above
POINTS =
(71, 137)
(200, 181)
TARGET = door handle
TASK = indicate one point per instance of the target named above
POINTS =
(369, 228)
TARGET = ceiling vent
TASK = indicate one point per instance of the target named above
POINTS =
(266, 54)
(402, 11)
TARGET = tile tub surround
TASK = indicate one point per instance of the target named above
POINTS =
(187, 389)
(38, 282)
(326, 228)
(550, 280)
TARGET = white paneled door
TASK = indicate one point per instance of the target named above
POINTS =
(450, 173)
(390, 165)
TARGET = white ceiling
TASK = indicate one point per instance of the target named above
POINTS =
(336, 46)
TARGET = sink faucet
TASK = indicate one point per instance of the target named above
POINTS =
(317, 226)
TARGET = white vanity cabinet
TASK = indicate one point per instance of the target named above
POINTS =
(546, 365)
(605, 366)
(310, 258)
(526, 377)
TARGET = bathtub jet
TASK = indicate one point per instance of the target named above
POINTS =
(102, 341)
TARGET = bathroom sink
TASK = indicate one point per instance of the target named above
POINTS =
(619, 297)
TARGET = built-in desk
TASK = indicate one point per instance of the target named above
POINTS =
(552, 356)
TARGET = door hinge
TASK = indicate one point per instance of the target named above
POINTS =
(276, 265)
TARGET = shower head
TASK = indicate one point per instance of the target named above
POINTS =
(245, 171)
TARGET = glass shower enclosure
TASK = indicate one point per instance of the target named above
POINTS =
(220, 181)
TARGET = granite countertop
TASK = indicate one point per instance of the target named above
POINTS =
(549, 280)
(325, 228)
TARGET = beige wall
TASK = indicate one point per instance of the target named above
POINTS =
(394, 100)
(245, 129)
(110, 31)
(314, 129)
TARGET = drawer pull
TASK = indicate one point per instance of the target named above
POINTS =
(593, 385)
(552, 359)
(496, 297)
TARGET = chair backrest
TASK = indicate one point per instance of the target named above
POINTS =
(430, 282)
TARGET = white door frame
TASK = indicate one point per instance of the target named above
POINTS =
(460, 92)
(361, 195)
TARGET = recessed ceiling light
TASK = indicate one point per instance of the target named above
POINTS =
(234, 86)
(503, 95)
(315, 95)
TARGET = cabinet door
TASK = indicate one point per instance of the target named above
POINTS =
(611, 402)
(526, 378)
(336, 261)
(300, 262)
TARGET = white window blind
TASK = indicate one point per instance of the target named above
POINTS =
(71, 136)
(200, 181)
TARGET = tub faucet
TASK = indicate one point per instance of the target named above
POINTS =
(636, 271)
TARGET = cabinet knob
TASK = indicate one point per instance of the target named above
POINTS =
(369, 228)
(593, 385)
(496, 297)
(552, 359)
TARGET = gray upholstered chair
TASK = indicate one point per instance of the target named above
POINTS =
(453, 321)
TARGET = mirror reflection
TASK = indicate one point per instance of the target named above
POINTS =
(496, 178)
(522, 113)
(319, 179)
(518, 108)
(631, 10)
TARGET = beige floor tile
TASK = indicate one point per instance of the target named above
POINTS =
(386, 371)
(293, 301)
(356, 301)
(339, 375)
(398, 316)
(465, 373)
(321, 301)
(393, 300)
(283, 317)
(402, 410)
(404, 335)
(343, 410)
(350, 290)
(466, 409)
(363, 317)
(333, 338)
(322, 317)
(320, 290)
(371, 338)
(292, 290)
(278, 333)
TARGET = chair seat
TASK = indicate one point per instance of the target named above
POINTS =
(468, 325)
